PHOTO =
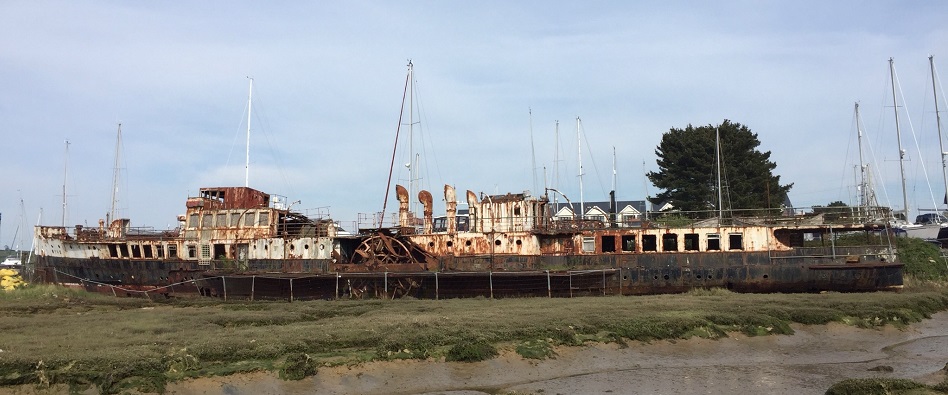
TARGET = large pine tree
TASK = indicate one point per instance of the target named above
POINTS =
(687, 171)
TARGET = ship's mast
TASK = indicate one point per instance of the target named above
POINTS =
(115, 175)
(898, 133)
(249, 110)
(941, 143)
(412, 160)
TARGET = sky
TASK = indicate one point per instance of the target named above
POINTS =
(491, 80)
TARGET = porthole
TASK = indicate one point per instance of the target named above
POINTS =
(305, 246)
(665, 277)
(467, 243)
(656, 277)
(266, 247)
(322, 247)
(450, 243)
(430, 244)
(766, 276)
(698, 276)
(519, 242)
(497, 242)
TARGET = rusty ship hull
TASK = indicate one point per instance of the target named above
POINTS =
(235, 242)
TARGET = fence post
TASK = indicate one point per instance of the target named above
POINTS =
(337, 286)
(620, 281)
(603, 282)
(224, 282)
(291, 289)
(253, 286)
(113, 290)
(570, 274)
(436, 285)
(549, 290)
(386, 285)
(490, 279)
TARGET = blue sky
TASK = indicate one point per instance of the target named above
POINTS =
(329, 76)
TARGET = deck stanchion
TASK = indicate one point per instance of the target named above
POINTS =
(436, 285)
(490, 279)
(253, 285)
(549, 290)
(603, 282)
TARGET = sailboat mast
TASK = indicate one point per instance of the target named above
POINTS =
(863, 187)
(65, 173)
(941, 142)
(717, 154)
(556, 159)
(115, 175)
(533, 152)
(898, 133)
(249, 110)
(579, 148)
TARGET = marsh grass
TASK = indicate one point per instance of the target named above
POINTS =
(57, 336)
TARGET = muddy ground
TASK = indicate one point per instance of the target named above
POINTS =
(808, 362)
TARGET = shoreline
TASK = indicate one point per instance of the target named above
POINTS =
(809, 361)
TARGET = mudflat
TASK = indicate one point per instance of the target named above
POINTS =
(807, 362)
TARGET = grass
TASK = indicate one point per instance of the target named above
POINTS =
(58, 336)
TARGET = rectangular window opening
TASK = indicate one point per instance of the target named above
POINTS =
(146, 249)
(628, 243)
(249, 217)
(735, 241)
(113, 251)
(669, 242)
(136, 251)
(608, 243)
(649, 243)
(691, 242)
(714, 242)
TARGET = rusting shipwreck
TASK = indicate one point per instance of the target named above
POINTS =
(238, 242)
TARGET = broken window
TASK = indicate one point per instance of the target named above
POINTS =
(264, 218)
(649, 243)
(193, 221)
(628, 243)
(192, 251)
(735, 241)
(249, 217)
(221, 221)
(206, 221)
(608, 243)
(172, 250)
(235, 219)
(691, 242)
(669, 242)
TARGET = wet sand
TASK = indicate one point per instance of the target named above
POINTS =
(808, 362)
